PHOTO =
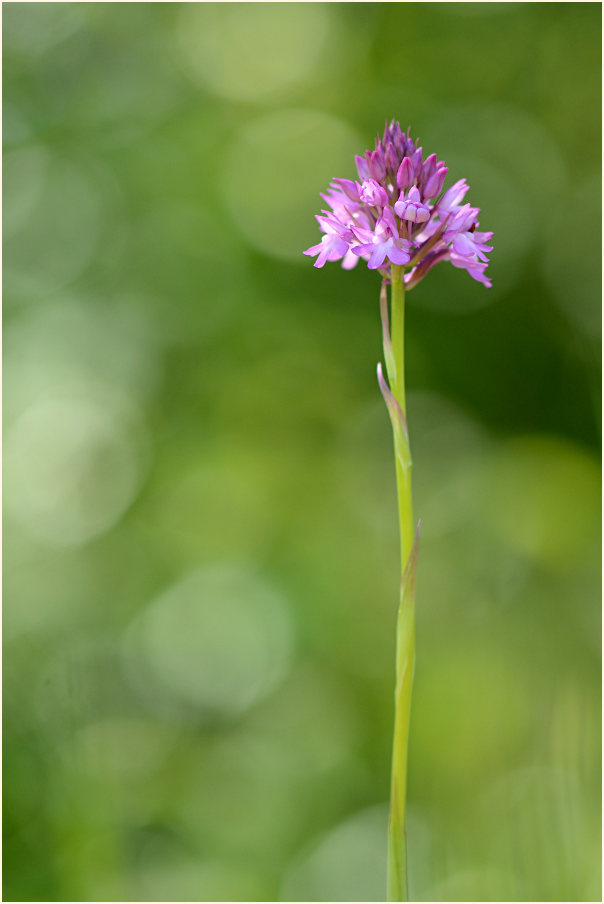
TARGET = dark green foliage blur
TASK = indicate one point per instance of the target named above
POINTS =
(201, 545)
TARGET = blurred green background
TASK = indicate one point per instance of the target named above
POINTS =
(200, 525)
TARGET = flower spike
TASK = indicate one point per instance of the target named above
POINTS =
(395, 214)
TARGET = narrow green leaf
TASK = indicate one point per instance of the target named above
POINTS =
(386, 339)
(398, 421)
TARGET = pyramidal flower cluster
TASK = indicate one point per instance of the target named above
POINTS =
(399, 213)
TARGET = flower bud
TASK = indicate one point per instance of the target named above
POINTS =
(435, 183)
(362, 167)
(377, 166)
(429, 168)
(405, 176)
(392, 158)
(416, 160)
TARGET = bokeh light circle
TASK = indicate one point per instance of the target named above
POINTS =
(60, 207)
(274, 171)
(24, 174)
(216, 641)
(73, 465)
(252, 51)
(32, 31)
(348, 863)
(79, 342)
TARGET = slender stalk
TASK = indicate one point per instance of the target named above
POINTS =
(397, 385)
(394, 352)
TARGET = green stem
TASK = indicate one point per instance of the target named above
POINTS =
(404, 466)
(405, 646)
